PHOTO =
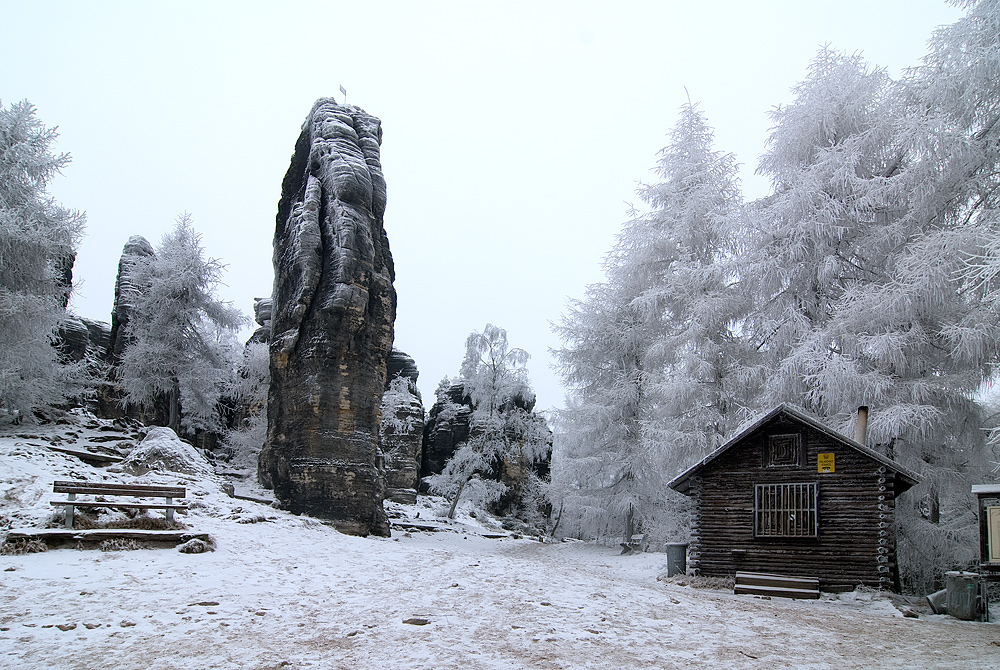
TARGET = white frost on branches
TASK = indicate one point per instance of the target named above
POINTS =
(38, 239)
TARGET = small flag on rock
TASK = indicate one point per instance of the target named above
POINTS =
(344, 91)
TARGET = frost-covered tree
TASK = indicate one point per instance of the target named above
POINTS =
(504, 433)
(653, 355)
(38, 239)
(603, 466)
(855, 264)
(248, 392)
(832, 224)
(679, 256)
(181, 338)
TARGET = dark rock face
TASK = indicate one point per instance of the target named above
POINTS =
(447, 427)
(402, 429)
(331, 324)
(99, 335)
(137, 247)
(108, 396)
(79, 339)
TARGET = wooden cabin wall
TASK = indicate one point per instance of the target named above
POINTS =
(856, 543)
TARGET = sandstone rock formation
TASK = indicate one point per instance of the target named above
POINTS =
(108, 396)
(402, 429)
(449, 425)
(262, 315)
(331, 324)
(79, 339)
(136, 247)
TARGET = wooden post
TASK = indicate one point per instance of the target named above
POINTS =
(170, 512)
(69, 510)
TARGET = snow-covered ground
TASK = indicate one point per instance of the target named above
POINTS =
(282, 591)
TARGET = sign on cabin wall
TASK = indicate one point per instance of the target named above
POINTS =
(993, 533)
(825, 463)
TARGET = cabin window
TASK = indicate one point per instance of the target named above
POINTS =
(784, 450)
(786, 510)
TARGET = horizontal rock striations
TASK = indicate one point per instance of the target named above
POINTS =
(332, 315)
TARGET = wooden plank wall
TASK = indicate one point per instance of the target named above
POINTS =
(856, 543)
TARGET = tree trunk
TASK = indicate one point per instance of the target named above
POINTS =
(454, 501)
(552, 533)
(174, 398)
(629, 525)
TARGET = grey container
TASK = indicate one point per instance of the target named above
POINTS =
(963, 595)
(676, 559)
(938, 601)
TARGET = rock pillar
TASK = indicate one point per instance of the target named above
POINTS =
(331, 324)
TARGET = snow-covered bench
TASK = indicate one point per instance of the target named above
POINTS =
(72, 489)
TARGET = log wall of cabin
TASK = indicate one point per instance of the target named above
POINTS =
(856, 542)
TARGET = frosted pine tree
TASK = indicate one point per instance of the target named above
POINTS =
(855, 265)
(653, 356)
(180, 337)
(605, 473)
(680, 256)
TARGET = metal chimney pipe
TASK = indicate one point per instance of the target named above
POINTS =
(861, 425)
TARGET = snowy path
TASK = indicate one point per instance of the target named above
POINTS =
(291, 594)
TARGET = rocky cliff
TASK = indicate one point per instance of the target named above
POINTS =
(332, 315)
(402, 429)
(109, 397)
(137, 247)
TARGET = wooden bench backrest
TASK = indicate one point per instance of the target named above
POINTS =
(100, 488)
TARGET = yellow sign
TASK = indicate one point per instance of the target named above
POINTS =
(825, 463)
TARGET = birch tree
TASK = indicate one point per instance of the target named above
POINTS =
(503, 431)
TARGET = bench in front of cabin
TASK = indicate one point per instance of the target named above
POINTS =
(72, 489)
(762, 584)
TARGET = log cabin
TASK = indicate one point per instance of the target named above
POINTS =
(788, 495)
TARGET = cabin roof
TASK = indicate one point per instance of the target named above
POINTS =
(682, 483)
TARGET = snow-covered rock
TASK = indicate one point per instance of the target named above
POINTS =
(162, 450)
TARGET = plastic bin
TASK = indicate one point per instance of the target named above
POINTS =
(964, 601)
(676, 559)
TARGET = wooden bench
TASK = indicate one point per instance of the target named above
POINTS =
(761, 584)
(72, 489)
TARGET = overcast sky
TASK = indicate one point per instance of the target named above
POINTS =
(514, 133)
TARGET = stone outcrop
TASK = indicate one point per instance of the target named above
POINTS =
(446, 428)
(137, 247)
(109, 398)
(449, 425)
(331, 324)
(262, 315)
(81, 339)
(402, 429)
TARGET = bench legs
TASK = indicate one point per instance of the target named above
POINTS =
(170, 512)
(69, 510)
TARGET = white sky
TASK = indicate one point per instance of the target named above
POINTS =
(515, 133)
